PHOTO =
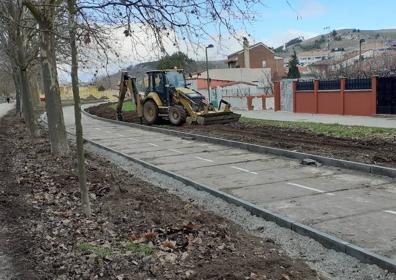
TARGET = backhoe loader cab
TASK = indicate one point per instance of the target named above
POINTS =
(167, 96)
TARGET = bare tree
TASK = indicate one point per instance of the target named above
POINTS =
(20, 49)
(45, 12)
(77, 109)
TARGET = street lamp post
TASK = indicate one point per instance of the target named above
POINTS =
(361, 41)
(207, 69)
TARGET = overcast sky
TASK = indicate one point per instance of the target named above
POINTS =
(278, 21)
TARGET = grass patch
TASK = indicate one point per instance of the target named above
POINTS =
(98, 250)
(139, 248)
(119, 249)
(128, 106)
(337, 130)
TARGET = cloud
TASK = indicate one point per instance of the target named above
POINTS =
(312, 8)
(281, 38)
(307, 8)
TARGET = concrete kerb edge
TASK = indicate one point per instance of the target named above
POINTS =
(367, 168)
(325, 239)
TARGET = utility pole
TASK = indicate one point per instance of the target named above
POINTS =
(207, 69)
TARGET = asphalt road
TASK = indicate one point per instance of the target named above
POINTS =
(5, 108)
(6, 269)
(356, 207)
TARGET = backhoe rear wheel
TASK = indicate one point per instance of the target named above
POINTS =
(177, 115)
(150, 112)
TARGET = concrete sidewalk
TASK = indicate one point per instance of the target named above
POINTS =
(385, 122)
(5, 108)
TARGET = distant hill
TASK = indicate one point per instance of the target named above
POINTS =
(140, 69)
(343, 38)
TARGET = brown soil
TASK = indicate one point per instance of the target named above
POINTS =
(373, 150)
(109, 113)
(137, 231)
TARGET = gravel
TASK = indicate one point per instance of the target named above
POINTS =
(328, 263)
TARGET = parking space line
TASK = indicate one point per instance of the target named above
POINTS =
(97, 128)
(244, 170)
(204, 159)
(309, 188)
(390, 212)
(175, 151)
(154, 145)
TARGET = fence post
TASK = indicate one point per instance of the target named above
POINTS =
(264, 103)
(277, 96)
(374, 95)
(342, 91)
(294, 96)
(316, 93)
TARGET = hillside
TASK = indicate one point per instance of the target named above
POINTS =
(344, 38)
(140, 69)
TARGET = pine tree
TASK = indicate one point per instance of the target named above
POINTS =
(294, 73)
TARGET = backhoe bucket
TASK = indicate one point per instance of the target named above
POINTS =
(218, 118)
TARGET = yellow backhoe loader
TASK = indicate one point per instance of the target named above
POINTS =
(167, 96)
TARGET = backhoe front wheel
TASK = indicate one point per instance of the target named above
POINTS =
(150, 112)
(177, 115)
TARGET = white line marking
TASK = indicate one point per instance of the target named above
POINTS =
(121, 135)
(175, 151)
(204, 159)
(244, 170)
(97, 128)
(154, 145)
(240, 169)
(390, 212)
(308, 188)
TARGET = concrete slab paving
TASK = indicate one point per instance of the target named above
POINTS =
(378, 237)
(349, 204)
(316, 209)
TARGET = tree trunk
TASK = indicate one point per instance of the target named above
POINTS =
(77, 111)
(53, 105)
(27, 106)
(17, 84)
(34, 88)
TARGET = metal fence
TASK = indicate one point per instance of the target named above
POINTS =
(364, 83)
(329, 85)
(305, 85)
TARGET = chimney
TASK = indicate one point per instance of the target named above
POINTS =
(246, 55)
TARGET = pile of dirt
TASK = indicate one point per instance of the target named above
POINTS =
(137, 231)
(106, 111)
(373, 150)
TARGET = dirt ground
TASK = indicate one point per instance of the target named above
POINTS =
(373, 150)
(137, 231)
